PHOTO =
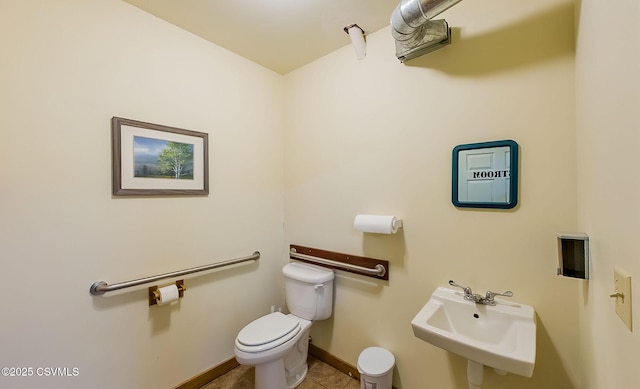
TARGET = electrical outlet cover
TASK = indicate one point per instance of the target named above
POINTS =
(622, 283)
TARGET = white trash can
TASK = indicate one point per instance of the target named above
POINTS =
(375, 365)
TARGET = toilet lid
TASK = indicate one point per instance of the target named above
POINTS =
(268, 331)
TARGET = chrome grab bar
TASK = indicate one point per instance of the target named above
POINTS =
(378, 270)
(101, 287)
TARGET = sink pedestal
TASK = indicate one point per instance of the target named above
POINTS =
(475, 372)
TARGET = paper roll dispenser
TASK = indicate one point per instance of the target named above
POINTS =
(573, 255)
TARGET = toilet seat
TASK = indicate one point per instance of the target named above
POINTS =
(267, 332)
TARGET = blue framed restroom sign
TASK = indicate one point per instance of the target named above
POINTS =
(485, 175)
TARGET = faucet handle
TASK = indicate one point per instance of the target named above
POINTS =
(466, 289)
(490, 295)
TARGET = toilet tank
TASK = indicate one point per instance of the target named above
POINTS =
(308, 290)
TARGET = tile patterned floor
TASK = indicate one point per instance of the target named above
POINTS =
(320, 376)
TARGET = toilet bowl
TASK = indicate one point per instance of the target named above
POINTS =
(266, 350)
(277, 344)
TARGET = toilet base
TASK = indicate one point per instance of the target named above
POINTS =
(295, 362)
(295, 380)
(269, 375)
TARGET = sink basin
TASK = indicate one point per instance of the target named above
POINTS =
(501, 336)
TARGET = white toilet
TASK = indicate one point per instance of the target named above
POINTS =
(277, 344)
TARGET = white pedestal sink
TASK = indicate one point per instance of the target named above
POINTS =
(502, 336)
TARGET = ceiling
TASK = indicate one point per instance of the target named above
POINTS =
(281, 35)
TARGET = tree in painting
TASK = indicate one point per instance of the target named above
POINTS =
(176, 158)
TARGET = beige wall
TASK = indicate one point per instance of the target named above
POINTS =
(375, 136)
(608, 123)
(370, 136)
(67, 67)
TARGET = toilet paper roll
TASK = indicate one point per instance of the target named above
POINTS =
(377, 224)
(168, 294)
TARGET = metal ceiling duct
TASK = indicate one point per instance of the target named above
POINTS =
(414, 31)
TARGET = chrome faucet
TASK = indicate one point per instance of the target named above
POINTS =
(487, 299)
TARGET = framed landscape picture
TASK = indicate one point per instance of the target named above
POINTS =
(155, 160)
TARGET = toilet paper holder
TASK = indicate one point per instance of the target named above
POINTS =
(154, 293)
(377, 224)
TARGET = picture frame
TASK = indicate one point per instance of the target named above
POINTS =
(156, 160)
(485, 175)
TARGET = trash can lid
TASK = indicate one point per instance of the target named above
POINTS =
(375, 361)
